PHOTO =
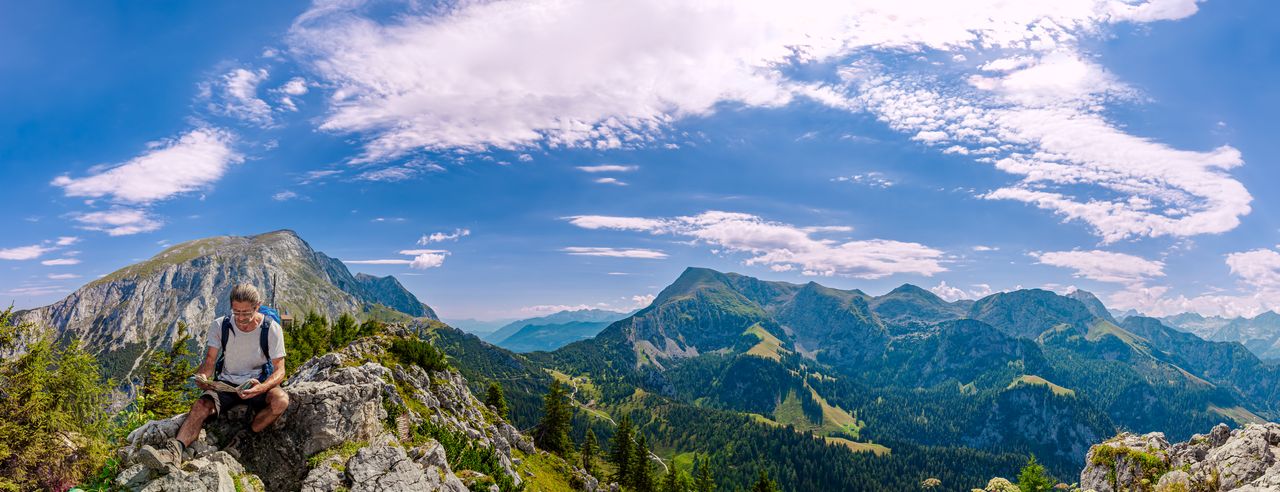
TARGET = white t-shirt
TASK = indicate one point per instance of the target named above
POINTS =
(243, 359)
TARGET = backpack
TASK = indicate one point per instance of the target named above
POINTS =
(268, 314)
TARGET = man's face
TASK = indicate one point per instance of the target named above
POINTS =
(243, 311)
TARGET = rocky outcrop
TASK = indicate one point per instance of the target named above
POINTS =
(1244, 459)
(351, 425)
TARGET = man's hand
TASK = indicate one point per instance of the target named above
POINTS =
(255, 388)
(203, 385)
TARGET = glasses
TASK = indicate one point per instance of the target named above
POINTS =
(243, 314)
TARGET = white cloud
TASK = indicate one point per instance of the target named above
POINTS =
(392, 261)
(427, 260)
(416, 252)
(594, 74)
(874, 179)
(284, 195)
(400, 173)
(296, 86)
(952, 293)
(60, 262)
(62, 276)
(313, 176)
(24, 252)
(981, 248)
(611, 181)
(438, 237)
(643, 300)
(545, 309)
(238, 96)
(170, 167)
(119, 221)
(608, 168)
(649, 254)
(784, 246)
(37, 290)
(67, 240)
(1103, 266)
(1259, 268)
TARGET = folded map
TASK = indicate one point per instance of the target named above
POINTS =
(221, 386)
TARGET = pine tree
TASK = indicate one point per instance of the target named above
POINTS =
(552, 433)
(589, 451)
(493, 397)
(763, 484)
(620, 454)
(1033, 478)
(675, 481)
(165, 391)
(702, 481)
(641, 469)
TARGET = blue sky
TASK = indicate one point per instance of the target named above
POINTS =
(583, 153)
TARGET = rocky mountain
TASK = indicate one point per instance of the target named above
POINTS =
(359, 419)
(138, 308)
(1260, 334)
(601, 316)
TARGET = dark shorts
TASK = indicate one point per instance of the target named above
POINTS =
(225, 400)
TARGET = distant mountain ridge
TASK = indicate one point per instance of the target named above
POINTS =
(138, 307)
(1260, 334)
(560, 317)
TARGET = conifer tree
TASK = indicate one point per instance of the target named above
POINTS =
(620, 454)
(589, 451)
(1033, 478)
(702, 481)
(552, 433)
(165, 391)
(493, 397)
(641, 470)
(675, 481)
(763, 484)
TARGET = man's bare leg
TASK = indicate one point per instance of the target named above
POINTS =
(277, 403)
(200, 410)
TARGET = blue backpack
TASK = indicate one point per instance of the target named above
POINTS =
(269, 314)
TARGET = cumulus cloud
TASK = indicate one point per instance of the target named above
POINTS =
(1258, 274)
(643, 300)
(67, 240)
(439, 237)
(284, 196)
(649, 254)
(952, 293)
(119, 221)
(422, 259)
(612, 181)
(783, 247)
(170, 167)
(1103, 266)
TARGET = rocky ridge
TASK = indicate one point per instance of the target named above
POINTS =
(139, 307)
(352, 424)
(1246, 459)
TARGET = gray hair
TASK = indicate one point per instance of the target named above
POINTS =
(246, 293)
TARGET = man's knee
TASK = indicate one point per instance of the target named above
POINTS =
(278, 400)
(202, 408)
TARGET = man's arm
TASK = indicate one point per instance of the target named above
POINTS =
(275, 379)
(206, 367)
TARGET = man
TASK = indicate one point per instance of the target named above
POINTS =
(243, 361)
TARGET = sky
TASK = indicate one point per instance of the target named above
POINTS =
(514, 158)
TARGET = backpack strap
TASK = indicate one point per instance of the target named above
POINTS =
(222, 351)
(264, 341)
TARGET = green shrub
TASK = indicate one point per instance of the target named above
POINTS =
(464, 454)
(419, 353)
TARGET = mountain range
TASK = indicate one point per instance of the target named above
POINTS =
(1260, 334)
(817, 385)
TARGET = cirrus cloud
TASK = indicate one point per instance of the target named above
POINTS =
(170, 167)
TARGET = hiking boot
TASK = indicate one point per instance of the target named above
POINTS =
(171, 453)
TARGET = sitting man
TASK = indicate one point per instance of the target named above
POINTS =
(241, 358)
